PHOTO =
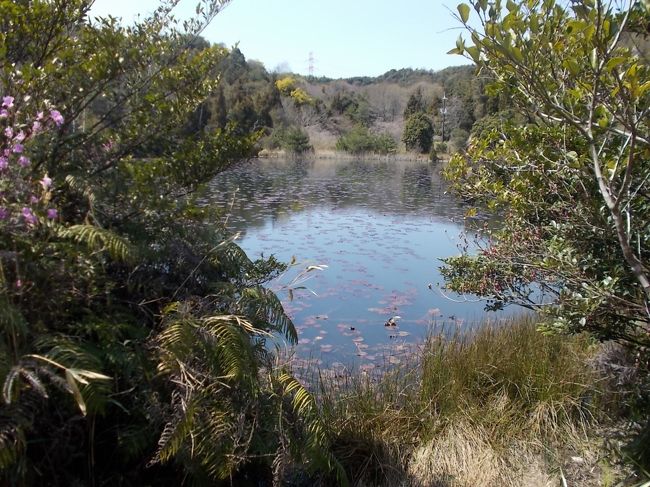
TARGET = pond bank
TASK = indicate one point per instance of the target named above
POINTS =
(344, 156)
(506, 406)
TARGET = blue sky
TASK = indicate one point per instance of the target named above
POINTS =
(347, 37)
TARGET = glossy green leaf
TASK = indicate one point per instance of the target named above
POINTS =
(463, 11)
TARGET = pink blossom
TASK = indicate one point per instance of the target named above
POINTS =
(34, 199)
(23, 161)
(46, 182)
(52, 213)
(56, 116)
(4, 113)
(9, 132)
(19, 283)
(29, 217)
(4, 163)
(20, 136)
(7, 101)
(36, 127)
(40, 115)
(18, 149)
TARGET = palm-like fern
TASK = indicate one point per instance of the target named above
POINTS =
(98, 240)
(311, 440)
(222, 404)
(213, 363)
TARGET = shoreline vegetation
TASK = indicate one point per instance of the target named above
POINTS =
(501, 405)
(341, 155)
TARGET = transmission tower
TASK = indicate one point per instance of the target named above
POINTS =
(443, 112)
(312, 61)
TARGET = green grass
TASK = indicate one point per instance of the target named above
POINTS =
(472, 409)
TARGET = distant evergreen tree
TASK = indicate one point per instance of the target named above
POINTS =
(418, 133)
(415, 104)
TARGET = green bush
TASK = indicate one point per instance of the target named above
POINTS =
(505, 379)
(418, 133)
(433, 155)
(441, 147)
(292, 139)
(360, 140)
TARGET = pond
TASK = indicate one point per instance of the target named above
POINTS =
(380, 227)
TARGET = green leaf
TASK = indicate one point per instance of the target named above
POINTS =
(460, 44)
(615, 62)
(474, 53)
(463, 10)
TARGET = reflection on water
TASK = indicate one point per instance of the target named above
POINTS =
(380, 227)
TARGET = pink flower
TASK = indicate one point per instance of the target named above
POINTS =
(56, 116)
(18, 149)
(20, 136)
(34, 199)
(46, 182)
(4, 163)
(19, 283)
(4, 113)
(36, 127)
(40, 115)
(29, 217)
(23, 161)
(9, 132)
(7, 101)
(52, 213)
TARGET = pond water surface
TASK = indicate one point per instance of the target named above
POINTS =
(380, 227)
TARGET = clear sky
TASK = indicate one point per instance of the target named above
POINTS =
(347, 37)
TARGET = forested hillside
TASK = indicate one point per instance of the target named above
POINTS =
(362, 114)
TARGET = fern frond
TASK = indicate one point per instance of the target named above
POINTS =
(12, 441)
(231, 257)
(233, 346)
(75, 377)
(80, 187)
(316, 446)
(174, 435)
(217, 444)
(264, 305)
(9, 386)
(227, 339)
(99, 240)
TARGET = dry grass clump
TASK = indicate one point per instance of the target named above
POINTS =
(464, 456)
(503, 405)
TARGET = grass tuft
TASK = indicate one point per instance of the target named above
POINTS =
(501, 405)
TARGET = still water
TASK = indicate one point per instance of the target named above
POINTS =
(380, 227)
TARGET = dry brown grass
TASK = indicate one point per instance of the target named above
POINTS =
(505, 406)
(463, 456)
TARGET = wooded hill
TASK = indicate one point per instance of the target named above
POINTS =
(361, 114)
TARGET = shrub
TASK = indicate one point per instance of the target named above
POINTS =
(418, 133)
(360, 140)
